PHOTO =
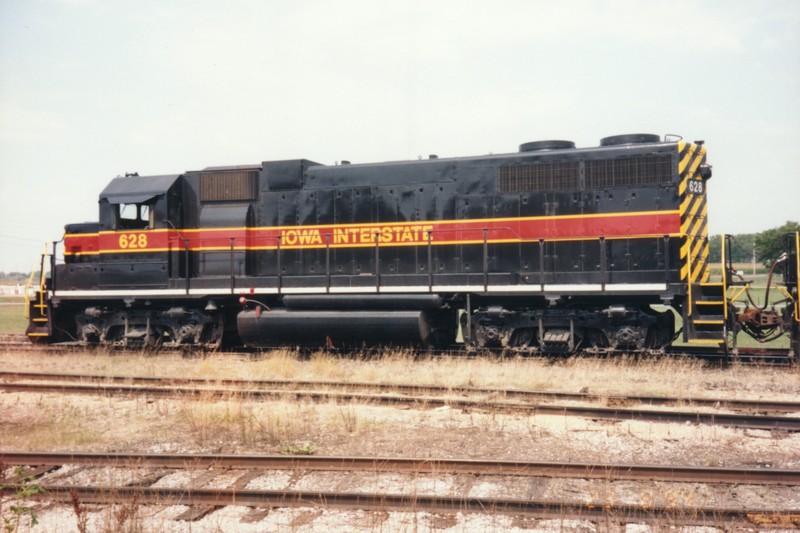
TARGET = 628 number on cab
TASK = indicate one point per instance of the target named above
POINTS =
(131, 241)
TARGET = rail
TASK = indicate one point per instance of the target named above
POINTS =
(605, 471)
(382, 502)
(783, 423)
(201, 499)
(759, 405)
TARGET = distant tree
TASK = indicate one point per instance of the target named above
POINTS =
(740, 249)
(771, 243)
(13, 277)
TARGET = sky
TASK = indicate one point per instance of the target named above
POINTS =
(92, 89)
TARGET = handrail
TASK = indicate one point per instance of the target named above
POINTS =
(53, 267)
(724, 261)
(603, 263)
(797, 275)
(234, 244)
(30, 282)
(689, 275)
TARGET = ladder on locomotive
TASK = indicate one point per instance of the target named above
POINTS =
(36, 310)
(708, 314)
(706, 318)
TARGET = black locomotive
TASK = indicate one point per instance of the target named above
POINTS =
(550, 249)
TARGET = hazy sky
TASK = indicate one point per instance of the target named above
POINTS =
(93, 89)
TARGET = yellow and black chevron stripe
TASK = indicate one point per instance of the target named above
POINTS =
(694, 213)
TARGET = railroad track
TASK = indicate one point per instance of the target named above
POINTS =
(20, 343)
(517, 394)
(164, 387)
(203, 500)
(636, 472)
(745, 356)
(381, 502)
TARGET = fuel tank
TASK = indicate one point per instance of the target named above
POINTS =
(343, 328)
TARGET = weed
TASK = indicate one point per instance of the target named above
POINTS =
(304, 448)
(21, 493)
(80, 511)
(124, 518)
(349, 418)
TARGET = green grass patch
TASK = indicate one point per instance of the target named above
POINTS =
(12, 318)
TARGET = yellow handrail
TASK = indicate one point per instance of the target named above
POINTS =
(797, 278)
(30, 283)
(723, 260)
(689, 275)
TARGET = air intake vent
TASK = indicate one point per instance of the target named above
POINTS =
(538, 177)
(228, 186)
(629, 171)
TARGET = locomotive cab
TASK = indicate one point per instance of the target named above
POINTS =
(126, 265)
(141, 203)
(127, 248)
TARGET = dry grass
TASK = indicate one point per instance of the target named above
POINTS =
(210, 424)
(50, 423)
(620, 375)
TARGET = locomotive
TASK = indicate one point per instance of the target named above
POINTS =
(550, 249)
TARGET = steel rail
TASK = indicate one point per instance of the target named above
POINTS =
(607, 413)
(743, 356)
(729, 403)
(634, 472)
(408, 503)
(757, 356)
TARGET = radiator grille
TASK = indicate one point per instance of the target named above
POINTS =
(227, 186)
(538, 177)
(629, 171)
(597, 174)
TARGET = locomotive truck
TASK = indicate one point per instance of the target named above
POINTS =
(550, 249)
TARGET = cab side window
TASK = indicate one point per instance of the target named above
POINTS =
(134, 216)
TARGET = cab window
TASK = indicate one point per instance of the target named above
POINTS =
(134, 216)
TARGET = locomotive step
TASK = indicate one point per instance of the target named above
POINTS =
(708, 312)
(716, 289)
(706, 341)
(707, 316)
(39, 331)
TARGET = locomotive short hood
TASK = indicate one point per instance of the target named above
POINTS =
(137, 189)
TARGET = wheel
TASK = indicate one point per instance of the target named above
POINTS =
(521, 338)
